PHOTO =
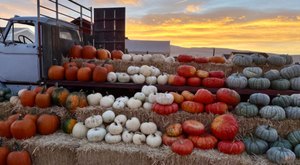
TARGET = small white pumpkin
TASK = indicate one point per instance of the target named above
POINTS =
(112, 77)
(162, 79)
(138, 138)
(148, 128)
(137, 58)
(146, 70)
(155, 71)
(112, 139)
(94, 99)
(115, 128)
(154, 140)
(133, 124)
(134, 103)
(79, 130)
(170, 60)
(138, 79)
(108, 116)
(107, 101)
(147, 57)
(158, 57)
(118, 104)
(123, 99)
(127, 136)
(93, 121)
(147, 89)
(126, 57)
(133, 70)
(147, 106)
(96, 134)
(121, 119)
(151, 80)
(164, 98)
(123, 78)
(152, 98)
(14, 100)
(140, 96)
(112, 97)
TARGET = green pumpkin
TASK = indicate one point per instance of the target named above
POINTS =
(282, 143)
(68, 125)
(258, 59)
(272, 74)
(296, 99)
(289, 59)
(294, 137)
(266, 133)
(272, 112)
(7, 96)
(290, 72)
(255, 146)
(297, 151)
(295, 83)
(4, 91)
(280, 84)
(259, 99)
(259, 83)
(236, 81)
(252, 72)
(282, 100)
(292, 112)
(59, 96)
(281, 155)
(246, 109)
(276, 60)
(242, 60)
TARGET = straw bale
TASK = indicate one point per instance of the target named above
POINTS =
(5, 109)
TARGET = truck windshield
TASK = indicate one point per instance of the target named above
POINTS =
(21, 33)
(3, 23)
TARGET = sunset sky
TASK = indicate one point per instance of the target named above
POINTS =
(260, 25)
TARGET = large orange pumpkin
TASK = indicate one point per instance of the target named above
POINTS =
(116, 54)
(176, 80)
(66, 65)
(103, 54)
(47, 124)
(5, 129)
(18, 156)
(204, 96)
(75, 51)
(71, 73)
(204, 141)
(43, 99)
(27, 98)
(192, 107)
(165, 109)
(216, 108)
(4, 151)
(84, 74)
(212, 82)
(224, 127)
(88, 52)
(56, 72)
(185, 58)
(32, 117)
(231, 147)
(23, 128)
(100, 74)
(217, 59)
(186, 70)
(228, 96)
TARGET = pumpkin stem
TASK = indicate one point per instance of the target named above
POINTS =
(43, 91)
(20, 117)
(16, 147)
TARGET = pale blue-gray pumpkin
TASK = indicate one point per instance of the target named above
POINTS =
(281, 155)
(272, 74)
(259, 99)
(246, 109)
(280, 84)
(289, 59)
(296, 99)
(297, 151)
(276, 60)
(292, 112)
(282, 100)
(255, 145)
(295, 83)
(236, 80)
(290, 72)
(242, 60)
(294, 137)
(258, 59)
(272, 112)
(251, 72)
(259, 83)
(266, 133)
(282, 143)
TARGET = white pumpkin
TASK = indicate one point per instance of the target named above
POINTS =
(146, 70)
(134, 103)
(152, 98)
(123, 99)
(118, 104)
(112, 77)
(158, 133)
(108, 116)
(170, 59)
(112, 97)
(133, 70)
(94, 99)
(164, 98)
(148, 89)
(126, 57)
(123, 77)
(121, 119)
(107, 101)
(151, 80)
(158, 58)
(115, 128)
(21, 91)
(127, 136)
(138, 138)
(155, 71)
(93, 121)
(154, 140)
(138, 79)
(162, 79)
(147, 57)
(147, 106)
(112, 139)
(79, 130)
(148, 128)
(14, 100)
(140, 96)
(96, 134)
(137, 58)
(133, 124)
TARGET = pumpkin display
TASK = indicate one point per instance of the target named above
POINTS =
(205, 141)
(174, 130)
(280, 84)
(192, 107)
(75, 51)
(273, 112)
(56, 72)
(68, 125)
(186, 71)
(224, 127)
(176, 80)
(4, 151)
(258, 59)
(259, 83)
(246, 109)
(116, 54)
(204, 96)
(185, 58)
(187, 95)
(76, 99)
(231, 147)
(201, 60)
(216, 108)
(103, 54)
(47, 124)
(297, 151)
(27, 98)
(272, 74)
(237, 80)
(193, 81)
(281, 155)
(282, 100)
(202, 73)
(255, 145)
(242, 60)
(183, 147)
(290, 72)
(294, 137)
(292, 112)
(276, 60)
(88, 52)
(100, 74)
(59, 96)
(252, 72)
(18, 156)
(193, 127)
(228, 96)
(212, 82)
(282, 143)
(295, 83)
(259, 99)
(43, 99)
(266, 133)
(84, 74)
(169, 140)
(23, 129)
(217, 59)
(165, 109)
(71, 73)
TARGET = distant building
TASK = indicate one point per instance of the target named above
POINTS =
(144, 46)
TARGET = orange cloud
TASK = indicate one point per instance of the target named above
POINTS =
(192, 9)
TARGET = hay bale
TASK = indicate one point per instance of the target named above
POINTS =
(5, 109)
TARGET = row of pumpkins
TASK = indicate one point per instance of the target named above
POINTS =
(278, 149)
(285, 79)
(282, 107)
(259, 59)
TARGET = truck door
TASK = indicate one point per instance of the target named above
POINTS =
(19, 61)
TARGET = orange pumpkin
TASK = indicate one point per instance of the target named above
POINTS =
(71, 73)
(116, 54)
(84, 74)
(4, 151)
(75, 51)
(109, 67)
(186, 71)
(31, 117)
(202, 74)
(88, 52)
(51, 89)
(5, 129)
(43, 99)
(103, 54)
(178, 98)
(56, 72)
(59, 96)
(89, 64)
(18, 156)
(23, 128)
(100, 74)
(216, 108)
(76, 99)
(66, 65)
(192, 107)
(188, 96)
(38, 89)
(27, 98)
(217, 59)
(47, 124)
